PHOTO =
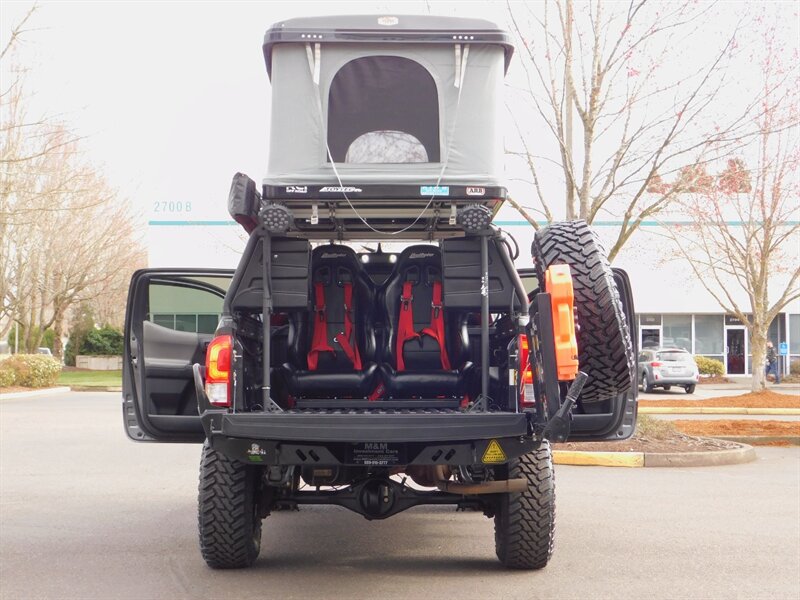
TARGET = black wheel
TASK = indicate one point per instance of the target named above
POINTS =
(645, 384)
(690, 389)
(667, 388)
(605, 351)
(524, 524)
(230, 528)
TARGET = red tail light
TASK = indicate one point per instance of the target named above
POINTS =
(218, 370)
(656, 364)
(526, 395)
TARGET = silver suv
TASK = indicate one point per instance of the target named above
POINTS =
(665, 367)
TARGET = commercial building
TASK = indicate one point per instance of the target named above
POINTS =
(673, 307)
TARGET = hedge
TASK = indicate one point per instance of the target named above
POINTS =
(29, 370)
(709, 366)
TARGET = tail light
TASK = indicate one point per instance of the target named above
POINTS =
(218, 370)
(656, 364)
(526, 395)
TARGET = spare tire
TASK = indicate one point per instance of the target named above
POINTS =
(605, 352)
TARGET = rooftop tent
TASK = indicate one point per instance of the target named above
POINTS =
(393, 101)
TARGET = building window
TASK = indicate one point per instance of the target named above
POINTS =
(708, 331)
(383, 109)
(794, 334)
(677, 332)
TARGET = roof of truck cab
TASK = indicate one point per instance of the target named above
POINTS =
(397, 29)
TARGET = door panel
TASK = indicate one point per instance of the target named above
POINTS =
(171, 317)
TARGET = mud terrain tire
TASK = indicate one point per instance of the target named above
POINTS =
(230, 528)
(525, 523)
(605, 351)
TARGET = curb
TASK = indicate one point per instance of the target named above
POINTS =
(713, 458)
(793, 440)
(96, 388)
(33, 393)
(714, 410)
(598, 459)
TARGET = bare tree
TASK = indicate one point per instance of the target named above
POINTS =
(66, 236)
(745, 238)
(643, 105)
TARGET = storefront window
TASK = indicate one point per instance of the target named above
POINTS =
(708, 331)
(794, 334)
(677, 332)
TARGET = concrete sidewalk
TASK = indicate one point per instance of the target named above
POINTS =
(705, 391)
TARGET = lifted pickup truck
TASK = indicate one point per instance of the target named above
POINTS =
(376, 380)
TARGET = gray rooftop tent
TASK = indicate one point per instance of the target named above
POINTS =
(368, 109)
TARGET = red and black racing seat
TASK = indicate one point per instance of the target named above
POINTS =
(425, 349)
(336, 340)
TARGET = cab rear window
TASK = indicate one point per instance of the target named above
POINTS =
(673, 356)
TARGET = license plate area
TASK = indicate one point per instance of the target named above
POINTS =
(376, 454)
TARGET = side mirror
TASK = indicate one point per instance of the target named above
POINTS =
(244, 202)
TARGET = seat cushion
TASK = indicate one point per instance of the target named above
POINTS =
(427, 384)
(330, 384)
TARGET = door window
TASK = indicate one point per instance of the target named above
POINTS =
(383, 109)
(192, 306)
(651, 338)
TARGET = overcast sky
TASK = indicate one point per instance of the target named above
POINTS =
(174, 97)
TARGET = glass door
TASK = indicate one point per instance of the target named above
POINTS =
(735, 351)
(651, 337)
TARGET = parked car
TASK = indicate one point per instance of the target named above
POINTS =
(44, 350)
(665, 367)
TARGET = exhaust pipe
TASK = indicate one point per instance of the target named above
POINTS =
(508, 486)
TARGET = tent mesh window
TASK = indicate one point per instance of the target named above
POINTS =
(383, 109)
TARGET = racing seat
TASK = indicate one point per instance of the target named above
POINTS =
(425, 349)
(336, 339)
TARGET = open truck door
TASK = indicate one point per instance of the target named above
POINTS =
(170, 319)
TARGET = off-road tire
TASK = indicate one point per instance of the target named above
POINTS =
(524, 523)
(605, 350)
(230, 528)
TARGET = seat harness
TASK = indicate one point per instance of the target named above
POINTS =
(319, 341)
(405, 325)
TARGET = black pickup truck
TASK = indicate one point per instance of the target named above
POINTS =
(325, 370)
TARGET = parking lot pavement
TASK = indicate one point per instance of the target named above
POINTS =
(84, 513)
(706, 391)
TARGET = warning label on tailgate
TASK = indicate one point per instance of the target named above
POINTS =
(379, 454)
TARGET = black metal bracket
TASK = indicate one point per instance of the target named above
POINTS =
(557, 428)
(543, 359)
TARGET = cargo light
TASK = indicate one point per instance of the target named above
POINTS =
(527, 399)
(218, 370)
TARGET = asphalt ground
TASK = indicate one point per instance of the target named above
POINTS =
(85, 513)
(707, 391)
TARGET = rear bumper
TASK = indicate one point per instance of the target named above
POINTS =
(415, 427)
(674, 380)
(378, 440)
